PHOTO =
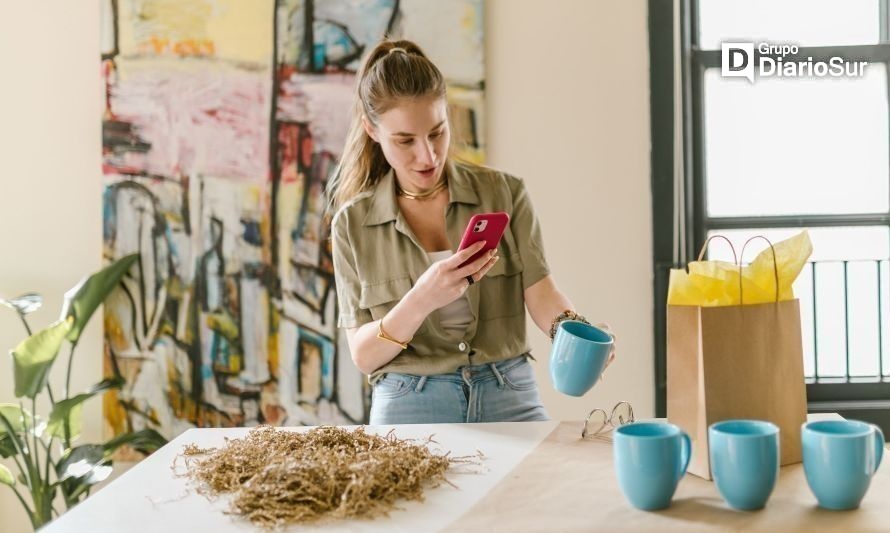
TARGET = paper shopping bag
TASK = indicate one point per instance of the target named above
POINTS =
(735, 362)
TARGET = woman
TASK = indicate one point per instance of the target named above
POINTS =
(440, 342)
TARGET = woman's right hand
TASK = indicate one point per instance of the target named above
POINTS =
(444, 282)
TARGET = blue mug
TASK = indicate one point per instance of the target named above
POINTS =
(839, 459)
(650, 460)
(578, 356)
(744, 461)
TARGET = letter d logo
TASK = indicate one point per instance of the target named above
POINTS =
(737, 60)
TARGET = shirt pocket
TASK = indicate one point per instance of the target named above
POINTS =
(379, 298)
(501, 289)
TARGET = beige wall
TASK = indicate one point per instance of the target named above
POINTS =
(567, 110)
(50, 182)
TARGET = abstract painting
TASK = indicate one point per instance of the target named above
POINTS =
(223, 121)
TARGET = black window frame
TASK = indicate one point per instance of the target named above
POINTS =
(854, 398)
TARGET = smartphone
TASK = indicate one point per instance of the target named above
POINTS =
(488, 227)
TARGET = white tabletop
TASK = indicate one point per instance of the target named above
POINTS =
(150, 498)
(536, 476)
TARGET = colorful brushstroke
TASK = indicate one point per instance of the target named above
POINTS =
(223, 122)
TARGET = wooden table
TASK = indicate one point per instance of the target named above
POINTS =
(538, 476)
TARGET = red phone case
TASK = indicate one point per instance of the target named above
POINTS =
(488, 227)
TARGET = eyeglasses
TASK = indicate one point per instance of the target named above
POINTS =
(596, 422)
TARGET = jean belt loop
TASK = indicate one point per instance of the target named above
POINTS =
(497, 374)
(420, 383)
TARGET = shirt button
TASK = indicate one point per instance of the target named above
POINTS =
(462, 346)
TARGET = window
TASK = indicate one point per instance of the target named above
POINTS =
(777, 156)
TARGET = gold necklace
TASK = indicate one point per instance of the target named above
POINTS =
(421, 196)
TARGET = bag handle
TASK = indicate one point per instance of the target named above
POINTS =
(775, 266)
(737, 260)
(701, 254)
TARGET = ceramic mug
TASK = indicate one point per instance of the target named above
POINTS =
(839, 459)
(650, 460)
(578, 356)
(744, 461)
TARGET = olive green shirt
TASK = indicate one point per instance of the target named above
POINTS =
(377, 259)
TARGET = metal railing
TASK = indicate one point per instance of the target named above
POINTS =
(845, 321)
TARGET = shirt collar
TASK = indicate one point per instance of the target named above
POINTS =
(460, 185)
(384, 207)
(383, 201)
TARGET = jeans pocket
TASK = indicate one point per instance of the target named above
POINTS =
(520, 377)
(393, 385)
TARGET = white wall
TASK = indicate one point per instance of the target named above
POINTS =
(50, 183)
(567, 110)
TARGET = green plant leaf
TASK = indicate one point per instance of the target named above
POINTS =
(80, 468)
(11, 430)
(7, 448)
(24, 304)
(86, 454)
(145, 441)
(34, 356)
(74, 413)
(13, 414)
(83, 299)
(6, 476)
(71, 408)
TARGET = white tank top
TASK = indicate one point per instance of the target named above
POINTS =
(456, 316)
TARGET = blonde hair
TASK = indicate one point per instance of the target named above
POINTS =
(393, 70)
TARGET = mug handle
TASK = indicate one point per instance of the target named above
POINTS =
(879, 446)
(686, 453)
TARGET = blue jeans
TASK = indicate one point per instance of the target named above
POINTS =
(495, 392)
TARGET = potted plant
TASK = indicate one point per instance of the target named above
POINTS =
(43, 449)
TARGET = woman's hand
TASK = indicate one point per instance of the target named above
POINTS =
(443, 282)
(605, 327)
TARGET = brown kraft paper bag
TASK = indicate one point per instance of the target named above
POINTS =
(736, 362)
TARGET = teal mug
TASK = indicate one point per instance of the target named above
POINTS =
(578, 356)
(839, 459)
(650, 460)
(744, 458)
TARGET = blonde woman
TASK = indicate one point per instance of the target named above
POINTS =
(439, 342)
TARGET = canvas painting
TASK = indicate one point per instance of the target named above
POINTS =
(223, 122)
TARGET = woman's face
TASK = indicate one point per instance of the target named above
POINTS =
(414, 136)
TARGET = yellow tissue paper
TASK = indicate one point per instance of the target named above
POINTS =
(716, 283)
